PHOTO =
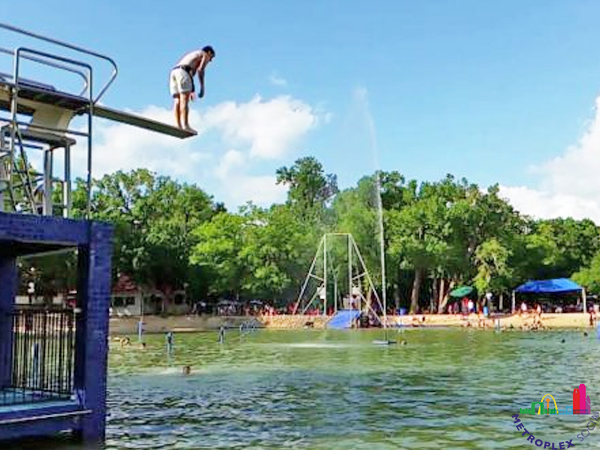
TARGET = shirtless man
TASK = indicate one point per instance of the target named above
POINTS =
(181, 83)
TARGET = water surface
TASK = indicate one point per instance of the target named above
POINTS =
(329, 390)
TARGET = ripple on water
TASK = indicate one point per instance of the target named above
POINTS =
(451, 389)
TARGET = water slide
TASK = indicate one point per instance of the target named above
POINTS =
(343, 319)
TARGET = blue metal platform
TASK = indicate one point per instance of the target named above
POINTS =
(41, 392)
(38, 419)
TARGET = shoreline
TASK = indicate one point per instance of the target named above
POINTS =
(192, 324)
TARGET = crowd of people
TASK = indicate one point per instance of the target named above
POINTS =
(475, 313)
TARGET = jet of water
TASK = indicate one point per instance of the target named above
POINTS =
(362, 96)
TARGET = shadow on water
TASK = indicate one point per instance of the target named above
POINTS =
(64, 442)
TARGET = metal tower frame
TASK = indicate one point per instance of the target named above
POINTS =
(360, 283)
(51, 112)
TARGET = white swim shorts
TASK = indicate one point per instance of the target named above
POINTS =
(180, 81)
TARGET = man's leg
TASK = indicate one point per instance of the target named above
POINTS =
(177, 109)
(185, 110)
(175, 89)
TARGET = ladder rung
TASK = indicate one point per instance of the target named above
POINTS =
(31, 173)
(44, 137)
(38, 128)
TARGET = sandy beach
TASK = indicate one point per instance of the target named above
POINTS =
(156, 324)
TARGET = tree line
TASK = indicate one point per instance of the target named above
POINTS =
(437, 235)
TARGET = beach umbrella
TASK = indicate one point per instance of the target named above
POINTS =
(461, 291)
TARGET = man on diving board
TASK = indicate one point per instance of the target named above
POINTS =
(181, 83)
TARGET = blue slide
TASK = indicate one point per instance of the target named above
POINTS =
(343, 319)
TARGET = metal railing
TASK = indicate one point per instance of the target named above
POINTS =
(17, 140)
(43, 356)
(47, 63)
(115, 69)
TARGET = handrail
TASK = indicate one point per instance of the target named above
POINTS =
(34, 127)
(51, 64)
(72, 47)
(19, 54)
(20, 50)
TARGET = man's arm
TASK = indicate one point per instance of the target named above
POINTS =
(201, 79)
(203, 63)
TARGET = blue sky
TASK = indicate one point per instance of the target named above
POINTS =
(499, 91)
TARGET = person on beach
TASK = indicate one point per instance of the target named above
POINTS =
(524, 309)
(169, 339)
(480, 320)
(181, 83)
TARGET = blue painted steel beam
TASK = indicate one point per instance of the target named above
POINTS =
(36, 234)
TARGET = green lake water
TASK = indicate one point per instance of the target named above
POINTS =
(330, 390)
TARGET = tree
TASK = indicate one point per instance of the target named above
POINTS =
(491, 258)
(171, 235)
(153, 219)
(257, 253)
(170, 212)
(218, 252)
(418, 236)
(589, 276)
(309, 187)
(355, 212)
(278, 250)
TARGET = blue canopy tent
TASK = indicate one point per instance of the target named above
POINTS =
(555, 286)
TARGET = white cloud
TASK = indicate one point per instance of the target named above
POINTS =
(241, 187)
(262, 190)
(252, 132)
(541, 204)
(270, 128)
(277, 80)
(123, 147)
(231, 161)
(570, 185)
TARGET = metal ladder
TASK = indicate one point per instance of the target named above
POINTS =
(22, 189)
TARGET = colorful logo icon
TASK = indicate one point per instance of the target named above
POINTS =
(581, 404)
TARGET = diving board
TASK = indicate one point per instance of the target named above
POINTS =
(140, 122)
(38, 97)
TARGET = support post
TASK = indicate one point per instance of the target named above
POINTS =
(4, 174)
(584, 298)
(325, 274)
(47, 197)
(513, 303)
(335, 292)
(8, 291)
(350, 269)
(141, 322)
(67, 183)
(93, 298)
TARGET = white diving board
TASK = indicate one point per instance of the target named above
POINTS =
(140, 122)
(33, 97)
